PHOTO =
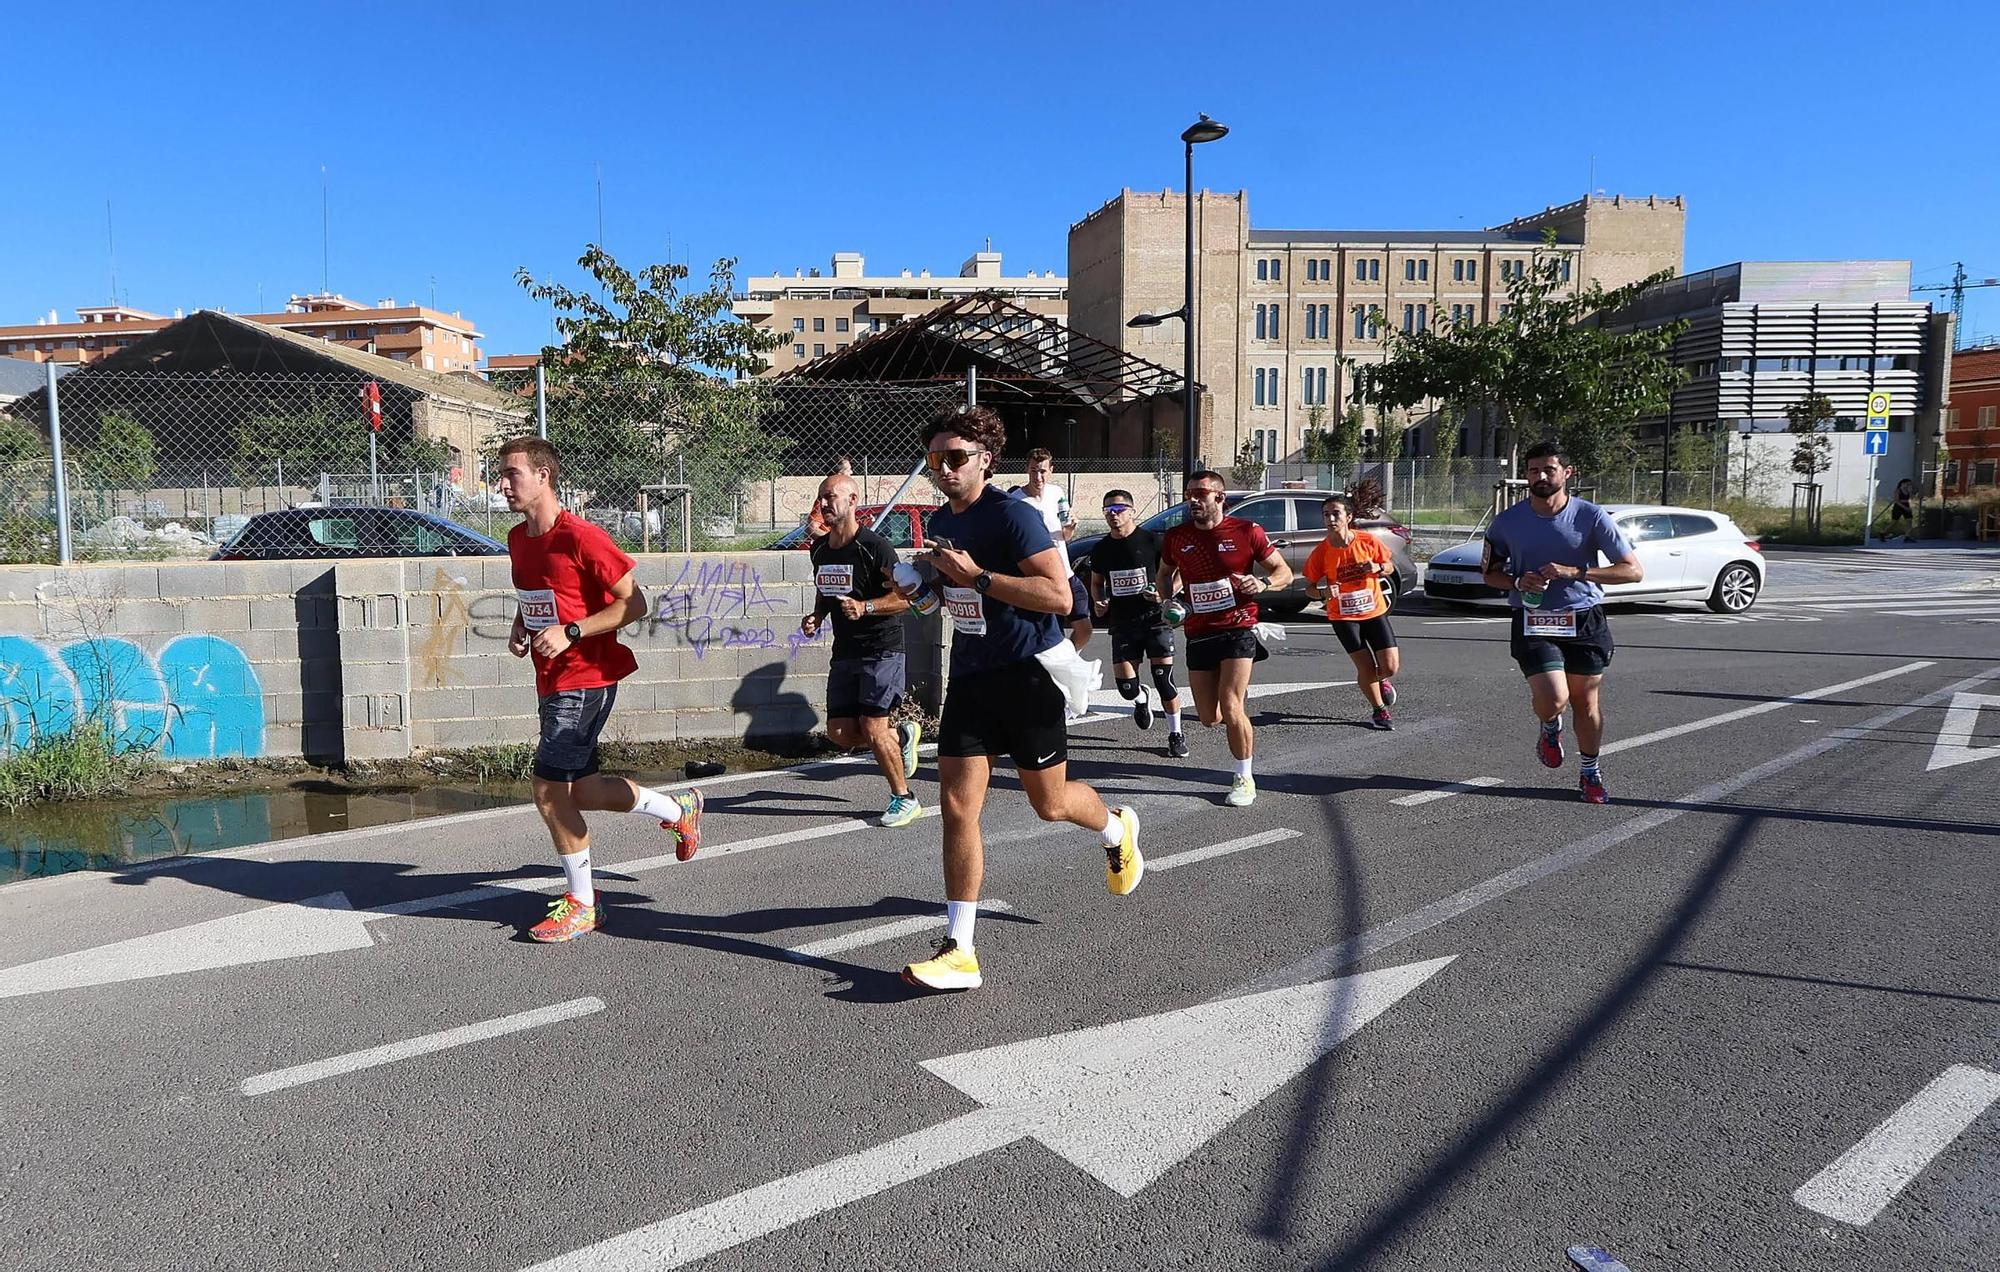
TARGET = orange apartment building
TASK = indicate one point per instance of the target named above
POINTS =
(1972, 422)
(421, 337)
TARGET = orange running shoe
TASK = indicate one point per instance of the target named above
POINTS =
(568, 919)
(688, 829)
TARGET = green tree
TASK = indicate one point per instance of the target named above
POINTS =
(1346, 445)
(19, 441)
(1316, 446)
(1694, 454)
(637, 387)
(1546, 361)
(1387, 443)
(119, 457)
(1247, 473)
(1807, 418)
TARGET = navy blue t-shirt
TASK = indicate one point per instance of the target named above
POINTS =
(999, 533)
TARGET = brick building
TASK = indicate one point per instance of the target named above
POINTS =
(1280, 309)
(1971, 462)
(425, 338)
(822, 314)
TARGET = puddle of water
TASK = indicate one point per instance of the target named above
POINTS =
(52, 839)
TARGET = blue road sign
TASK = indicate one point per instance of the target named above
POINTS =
(1878, 443)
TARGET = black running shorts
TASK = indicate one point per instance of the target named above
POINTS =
(1134, 644)
(1015, 711)
(1356, 635)
(1208, 653)
(1587, 653)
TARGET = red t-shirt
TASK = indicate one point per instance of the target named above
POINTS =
(565, 576)
(1206, 559)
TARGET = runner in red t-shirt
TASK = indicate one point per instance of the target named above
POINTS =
(1213, 555)
(575, 590)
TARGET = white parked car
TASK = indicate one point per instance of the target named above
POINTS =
(1689, 554)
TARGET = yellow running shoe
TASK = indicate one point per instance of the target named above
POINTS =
(954, 966)
(1124, 865)
(911, 733)
(1242, 793)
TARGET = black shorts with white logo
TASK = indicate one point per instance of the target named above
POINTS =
(1587, 653)
(1130, 644)
(1208, 653)
(1015, 711)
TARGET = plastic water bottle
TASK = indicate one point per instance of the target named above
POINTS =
(924, 600)
(1174, 611)
(1533, 600)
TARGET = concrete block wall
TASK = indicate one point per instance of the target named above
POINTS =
(196, 660)
(383, 659)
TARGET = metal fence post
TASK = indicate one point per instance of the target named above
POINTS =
(61, 475)
(972, 386)
(541, 403)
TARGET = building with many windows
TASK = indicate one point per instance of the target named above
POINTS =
(424, 338)
(1971, 456)
(821, 314)
(1282, 310)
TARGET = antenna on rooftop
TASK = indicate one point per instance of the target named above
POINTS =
(111, 251)
(325, 237)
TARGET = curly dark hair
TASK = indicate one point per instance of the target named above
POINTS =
(981, 424)
(1369, 501)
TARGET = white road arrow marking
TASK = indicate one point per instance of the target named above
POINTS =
(389, 1053)
(1126, 1102)
(319, 925)
(1867, 1177)
(1954, 740)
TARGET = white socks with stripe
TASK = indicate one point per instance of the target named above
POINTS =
(576, 872)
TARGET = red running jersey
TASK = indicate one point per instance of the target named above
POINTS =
(565, 576)
(1206, 559)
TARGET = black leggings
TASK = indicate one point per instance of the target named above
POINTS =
(1365, 633)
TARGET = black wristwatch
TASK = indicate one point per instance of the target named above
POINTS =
(982, 582)
(572, 631)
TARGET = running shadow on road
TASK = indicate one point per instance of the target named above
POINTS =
(1435, 1184)
(1297, 1164)
(729, 933)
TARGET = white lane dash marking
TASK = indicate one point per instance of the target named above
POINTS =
(299, 1075)
(1775, 704)
(545, 883)
(1445, 792)
(1176, 860)
(883, 932)
(1943, 611)
(1867, 1177)
(1454, 622)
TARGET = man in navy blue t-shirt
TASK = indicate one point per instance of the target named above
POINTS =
(1544, 553)
(1003, 585)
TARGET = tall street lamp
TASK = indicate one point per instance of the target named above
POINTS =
(1203, 129)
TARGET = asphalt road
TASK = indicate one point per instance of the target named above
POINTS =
(1422, 1010)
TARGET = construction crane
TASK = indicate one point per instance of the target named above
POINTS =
(1958, 286)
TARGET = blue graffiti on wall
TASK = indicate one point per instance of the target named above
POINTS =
(722, 603)
(198, 699)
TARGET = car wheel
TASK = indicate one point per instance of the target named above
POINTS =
(1735, 589)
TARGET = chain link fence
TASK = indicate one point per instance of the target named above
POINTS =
(158, 465)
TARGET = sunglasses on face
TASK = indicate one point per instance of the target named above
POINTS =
(953, 458)
(1113, 510)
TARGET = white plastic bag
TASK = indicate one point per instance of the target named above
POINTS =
(1075, 676)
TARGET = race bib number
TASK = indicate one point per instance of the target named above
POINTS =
(1359, 603)
(1127, 582)
(1212, 598)
(1549, 625)
(968, 610)
(834, 580)
(538, 607)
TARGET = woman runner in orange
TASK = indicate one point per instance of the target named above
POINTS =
(1346, 571)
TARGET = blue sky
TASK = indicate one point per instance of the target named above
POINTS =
(462, 140)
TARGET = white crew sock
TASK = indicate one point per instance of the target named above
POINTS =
(576, 870)
(657, 805)
(960, 916)
(1174, 720)
(1242, 768)
(1113, 833)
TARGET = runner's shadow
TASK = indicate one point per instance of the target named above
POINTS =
(1461, 1160)
(729, 934)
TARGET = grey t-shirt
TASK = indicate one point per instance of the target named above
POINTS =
(1521, 539)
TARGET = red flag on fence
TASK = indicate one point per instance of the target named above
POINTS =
(371, 395)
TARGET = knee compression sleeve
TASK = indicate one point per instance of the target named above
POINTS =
(1127, 689)
(1163, 679)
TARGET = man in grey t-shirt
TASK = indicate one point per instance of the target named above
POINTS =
(1544, 554)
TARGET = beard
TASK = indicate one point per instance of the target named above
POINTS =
(1543, 489)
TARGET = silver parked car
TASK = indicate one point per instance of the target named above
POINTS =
(1296, 525)
(1688, 554)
